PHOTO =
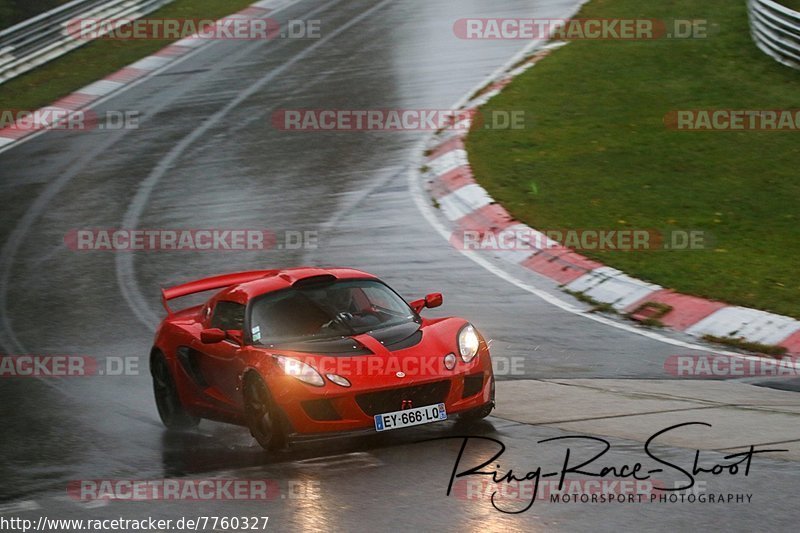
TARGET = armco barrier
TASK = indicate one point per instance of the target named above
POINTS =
(776, 30)
(45, 37)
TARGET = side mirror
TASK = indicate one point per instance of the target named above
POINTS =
(433, 300)
(212, 336)
(430, 301)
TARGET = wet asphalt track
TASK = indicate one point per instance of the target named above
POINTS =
(191, 166)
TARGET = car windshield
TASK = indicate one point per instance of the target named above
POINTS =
(326, 311)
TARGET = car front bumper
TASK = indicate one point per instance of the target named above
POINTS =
(309, 411)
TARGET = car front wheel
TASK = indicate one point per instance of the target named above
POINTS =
(169, 405)
(261, 415)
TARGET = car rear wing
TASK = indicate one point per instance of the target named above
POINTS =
(208, 284)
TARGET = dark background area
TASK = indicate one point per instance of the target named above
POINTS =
(14, 11)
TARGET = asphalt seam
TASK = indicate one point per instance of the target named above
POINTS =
(759, 444)
(606, 417)
(661, 396)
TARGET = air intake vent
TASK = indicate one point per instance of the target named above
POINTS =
(374, 403)
(321, 410)
(472, 385)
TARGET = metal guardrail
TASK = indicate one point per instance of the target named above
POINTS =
(40, 39)
(776, 30)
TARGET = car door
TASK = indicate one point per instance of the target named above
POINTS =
(221, 363)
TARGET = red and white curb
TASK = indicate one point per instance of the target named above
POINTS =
(99, 90)
(468, 207)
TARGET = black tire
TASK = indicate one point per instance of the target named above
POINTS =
(261, 415)
(168, 403)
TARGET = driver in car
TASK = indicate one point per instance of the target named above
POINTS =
(344, 307)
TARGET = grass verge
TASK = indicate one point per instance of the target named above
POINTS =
(791, 4)
(100, 58)
(597, 307)
(600, 156)
(756, 347)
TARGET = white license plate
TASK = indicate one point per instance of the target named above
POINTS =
(410, 417)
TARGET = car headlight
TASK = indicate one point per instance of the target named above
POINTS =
(299, 370)
(339, 380)
(468, 343)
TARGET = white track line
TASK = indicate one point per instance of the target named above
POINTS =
(126, 277)
(17, 237)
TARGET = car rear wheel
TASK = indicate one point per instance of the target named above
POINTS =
(169, 405)
(261, 415)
